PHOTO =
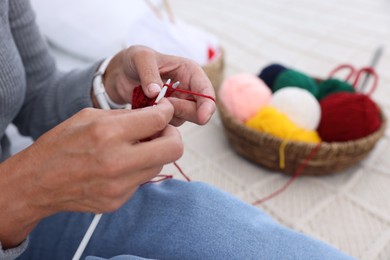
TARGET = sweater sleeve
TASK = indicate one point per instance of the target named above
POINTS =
(13, 253)
(51, 96)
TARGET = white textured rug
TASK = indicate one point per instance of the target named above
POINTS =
(350, 210)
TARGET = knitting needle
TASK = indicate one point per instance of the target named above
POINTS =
(161, 94)
(164, 90)
(87, 237)
(176, 84)
(374, 61)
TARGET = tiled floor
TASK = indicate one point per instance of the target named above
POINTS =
(350, 210)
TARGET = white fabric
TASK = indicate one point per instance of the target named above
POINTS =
(95, 29)
(175, 38)
(89, 29)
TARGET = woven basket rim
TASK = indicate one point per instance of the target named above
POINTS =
(264, 149)
(253, 135)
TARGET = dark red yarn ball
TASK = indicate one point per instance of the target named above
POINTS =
(348, 116)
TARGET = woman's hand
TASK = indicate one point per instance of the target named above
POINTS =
(140, 65)
(92, 162)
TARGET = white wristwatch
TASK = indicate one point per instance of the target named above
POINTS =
(99, 90)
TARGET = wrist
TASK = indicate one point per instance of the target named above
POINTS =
(17, 215)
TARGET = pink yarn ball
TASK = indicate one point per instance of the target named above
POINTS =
(244, 94)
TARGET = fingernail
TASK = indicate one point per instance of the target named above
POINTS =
(154, 88)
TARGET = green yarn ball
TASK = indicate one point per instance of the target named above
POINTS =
(331, 86)
(293, 78)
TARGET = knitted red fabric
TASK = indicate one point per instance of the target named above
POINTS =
(140, 100)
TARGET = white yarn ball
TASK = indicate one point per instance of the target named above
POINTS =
(299, 105)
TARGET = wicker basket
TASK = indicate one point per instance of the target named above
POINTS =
(263, 149)
(215, 70)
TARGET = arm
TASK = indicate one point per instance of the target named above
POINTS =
(51, 96)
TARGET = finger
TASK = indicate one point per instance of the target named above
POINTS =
(206, 107)
(143, 123)
(146, 65)
(184, 109)
(124, 185)
(194, 79)
(164, 149)
(131, 158)
(177, 122)
(114, 193)
(205, 111)
(140, 177)
(190, 111)
(88, 114)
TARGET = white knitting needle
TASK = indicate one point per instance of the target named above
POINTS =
(164, 90)
(176, 84)
(87, 237)
(161, 94)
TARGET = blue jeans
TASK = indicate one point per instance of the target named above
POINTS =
(176, 220)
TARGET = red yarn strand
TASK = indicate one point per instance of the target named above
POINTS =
(182, 172)
(162, 177)
(297, 173)
(191, 93)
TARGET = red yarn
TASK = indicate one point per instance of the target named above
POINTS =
(164, 177)
(182, 172)
(140, 100)
(348, 116)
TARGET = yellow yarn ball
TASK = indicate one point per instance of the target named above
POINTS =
(271, 121)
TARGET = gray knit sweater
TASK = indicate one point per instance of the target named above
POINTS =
(33, 94)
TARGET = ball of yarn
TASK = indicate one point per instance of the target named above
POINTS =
(295, 78)
(331, 86)
(269, 73)
(243, 95)
(299, 105)
(348, 116)
(272, 121)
